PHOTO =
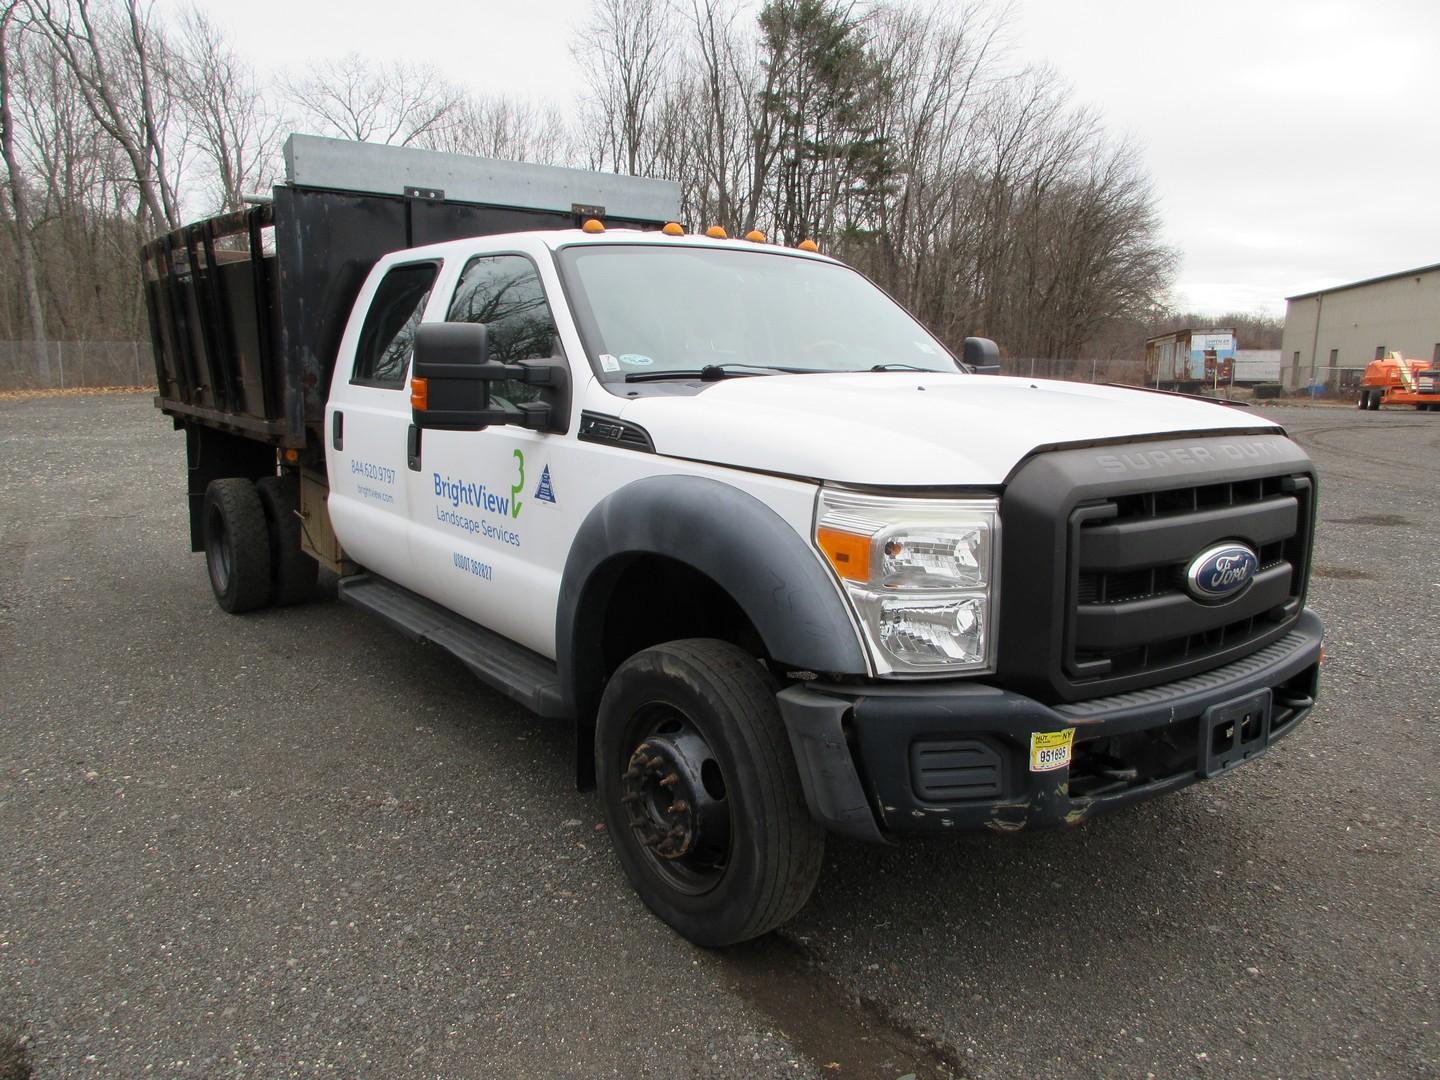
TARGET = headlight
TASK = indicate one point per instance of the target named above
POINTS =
(921, 574)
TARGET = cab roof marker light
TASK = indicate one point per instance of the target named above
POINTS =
(673, 228)
(808, 245)
(755, 236)
(593, 225)
(715, 232)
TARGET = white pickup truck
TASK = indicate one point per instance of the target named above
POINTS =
(785, 562)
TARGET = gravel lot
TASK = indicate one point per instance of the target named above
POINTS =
(292, 844)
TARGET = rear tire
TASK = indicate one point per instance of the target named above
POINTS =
(292, 572)
(237, 545)
(701, 794)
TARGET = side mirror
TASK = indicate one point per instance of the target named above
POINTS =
(450, 385)
(982, 355)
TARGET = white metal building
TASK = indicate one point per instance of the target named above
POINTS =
(1330, 335)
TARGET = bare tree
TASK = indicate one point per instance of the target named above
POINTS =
(503, 127)
(118, 59)
(354, 98)
(19, 201)
(625, 61)
(226, 113)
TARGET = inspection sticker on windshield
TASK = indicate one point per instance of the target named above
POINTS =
(608, 362)
(1050, 750)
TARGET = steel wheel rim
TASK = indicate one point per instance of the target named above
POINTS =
(694, 862)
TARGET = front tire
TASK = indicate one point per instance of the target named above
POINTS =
(237, 545)
(701, 794)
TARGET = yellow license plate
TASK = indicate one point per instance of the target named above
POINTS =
(1050, 750)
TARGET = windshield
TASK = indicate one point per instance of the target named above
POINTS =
(646, 310)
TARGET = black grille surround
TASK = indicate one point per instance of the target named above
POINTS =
(1095, 546)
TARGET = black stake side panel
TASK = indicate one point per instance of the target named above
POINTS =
(245, 341)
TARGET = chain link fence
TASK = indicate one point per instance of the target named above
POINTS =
(1126, 372)
(131, 363)
(75, 364)
(1321, 381)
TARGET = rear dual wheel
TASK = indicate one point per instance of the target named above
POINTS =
(292, 572)
(237, 545)
(700, 792)
(252, 544)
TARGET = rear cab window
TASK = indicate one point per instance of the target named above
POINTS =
(387, 338)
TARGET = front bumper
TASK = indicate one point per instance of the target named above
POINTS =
(880, 759)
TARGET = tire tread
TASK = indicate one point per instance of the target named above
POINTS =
(737, 685)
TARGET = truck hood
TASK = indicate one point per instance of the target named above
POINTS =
(908, 428)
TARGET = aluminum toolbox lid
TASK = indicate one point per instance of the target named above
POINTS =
(313, 161)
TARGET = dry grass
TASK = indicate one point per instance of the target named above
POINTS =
(72, 391)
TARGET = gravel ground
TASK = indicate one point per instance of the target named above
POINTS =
(292, 844)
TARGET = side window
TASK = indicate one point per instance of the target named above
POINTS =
(388, 336)
(504, 293)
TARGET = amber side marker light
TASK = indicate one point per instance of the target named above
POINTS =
(848, 554)
(715, 232)
(292, 456)
(673, 228)
(593, 225)
(420, 394)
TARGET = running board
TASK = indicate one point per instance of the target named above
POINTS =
(521, 675)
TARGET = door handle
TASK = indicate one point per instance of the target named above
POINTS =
(412, 449)
(337, 430)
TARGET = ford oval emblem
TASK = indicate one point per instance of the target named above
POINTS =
(1221, 572)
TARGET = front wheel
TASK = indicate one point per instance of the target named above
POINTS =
(701, 794)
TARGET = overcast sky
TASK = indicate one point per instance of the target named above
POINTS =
(1292, 145)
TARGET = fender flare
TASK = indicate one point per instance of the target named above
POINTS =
(732, 538)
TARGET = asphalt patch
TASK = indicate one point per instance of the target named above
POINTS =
(840, 1031)
(14, 1054)
(1340, 573)
(1384, 521)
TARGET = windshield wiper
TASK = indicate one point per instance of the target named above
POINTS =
(902, 367)
(716, 372)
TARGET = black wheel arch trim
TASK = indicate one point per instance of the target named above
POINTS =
(732, 538)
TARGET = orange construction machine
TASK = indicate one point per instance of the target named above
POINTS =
(1395, 380)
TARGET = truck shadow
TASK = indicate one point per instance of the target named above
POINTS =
(898, 939)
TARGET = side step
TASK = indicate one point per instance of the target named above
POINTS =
(518, 673)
